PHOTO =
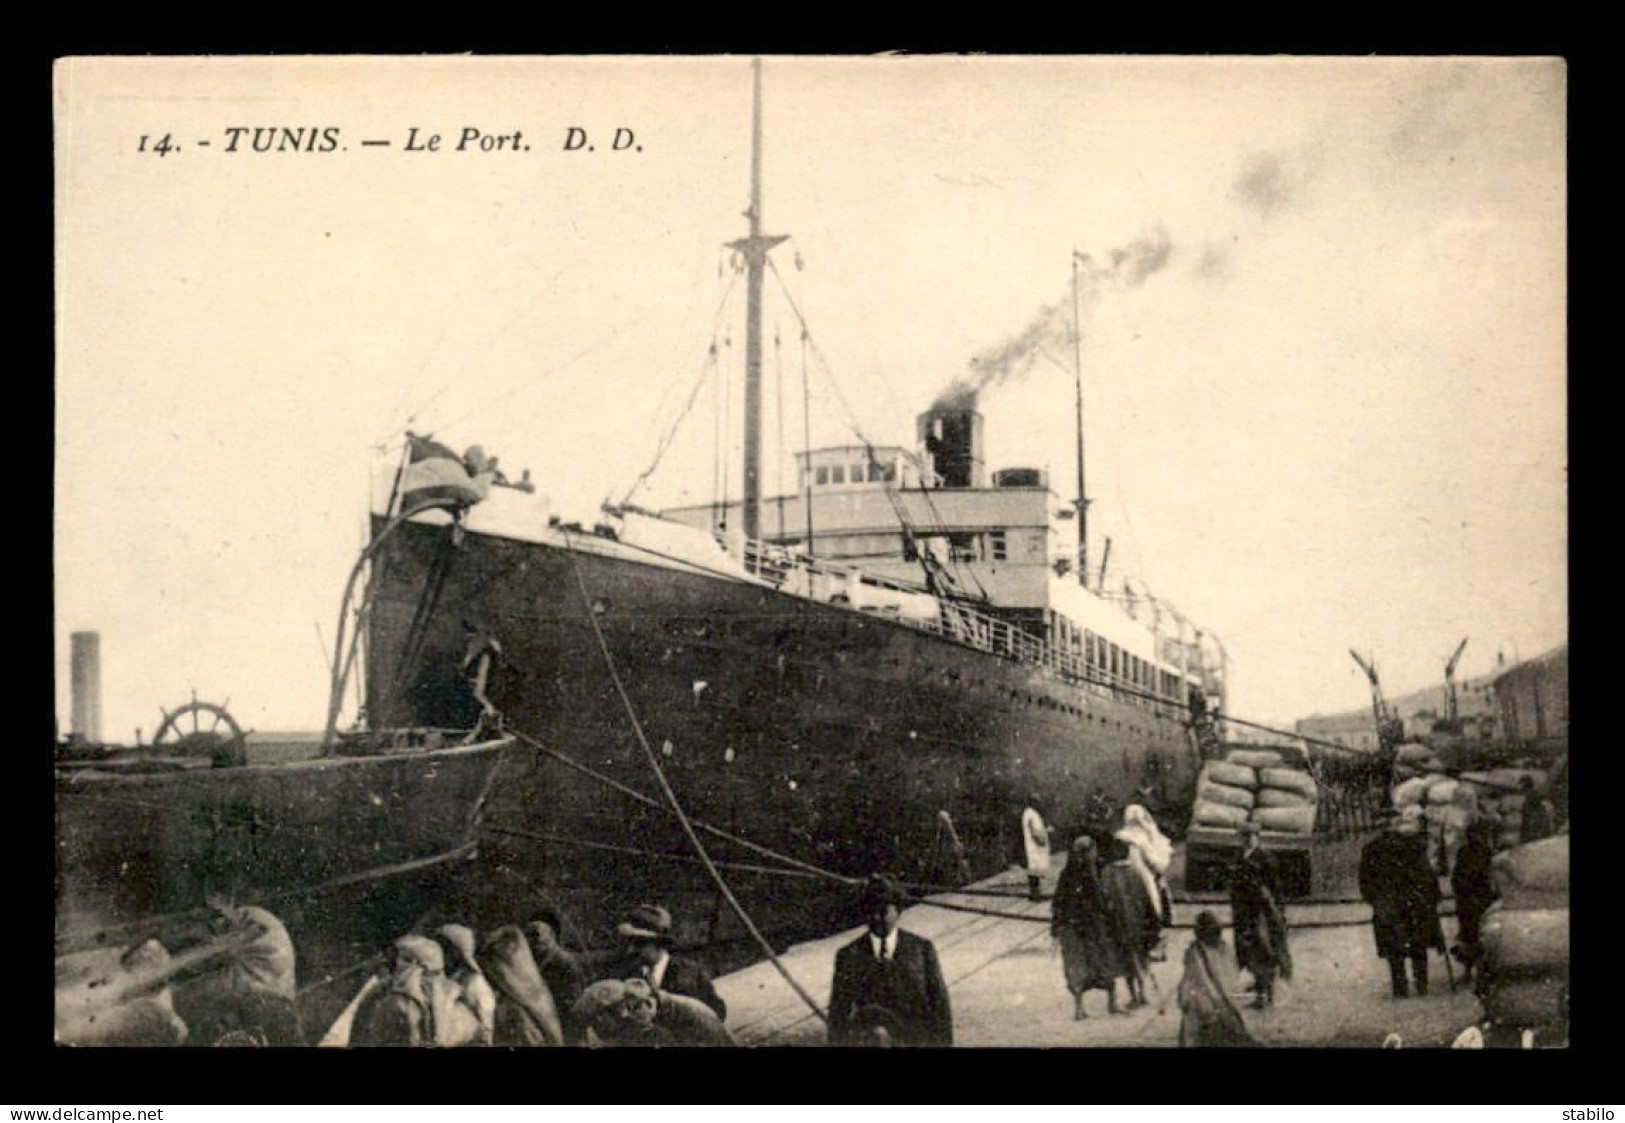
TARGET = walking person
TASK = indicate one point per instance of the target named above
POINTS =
(1259, 918)
(1035, 843)
(1091, 957)
(1404, 894)
(1474, 890)
(1208, 1013)
(1150, 854)
(1131, 918)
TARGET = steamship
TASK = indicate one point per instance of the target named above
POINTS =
(874, 673)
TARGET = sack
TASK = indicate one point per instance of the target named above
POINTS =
(1255, 758)
(1540, 867)
(1290, 780)
(1511, 779)
(1276, 797)
(1456, 817)
(1286, 820)
(1518, 939)
(1523, 1001)
(86, 1016)
(1219, 815)
(1414, 754)
(1409, 792)
(1231, 775)
(1219, 793)
(1442, 791)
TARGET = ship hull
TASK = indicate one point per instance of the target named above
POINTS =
(347, 851)
(827, 734)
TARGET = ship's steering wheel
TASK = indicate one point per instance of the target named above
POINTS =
(226, 748)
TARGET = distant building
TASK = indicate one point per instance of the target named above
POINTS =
(1527, 703)
(1533, 700)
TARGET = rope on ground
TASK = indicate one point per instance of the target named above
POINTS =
(676, 807)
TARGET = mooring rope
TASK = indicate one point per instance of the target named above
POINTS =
(649, 801)
(798, 866)
(671, 797)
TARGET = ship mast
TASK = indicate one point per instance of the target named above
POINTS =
(755, 249)
(1077, 371)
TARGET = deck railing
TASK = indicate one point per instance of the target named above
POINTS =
(953, 620)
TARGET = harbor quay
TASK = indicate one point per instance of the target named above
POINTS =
(1005, 979)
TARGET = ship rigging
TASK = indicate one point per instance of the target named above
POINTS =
(924, 663)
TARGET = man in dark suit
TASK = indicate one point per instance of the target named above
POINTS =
(888, 984)
(647, 932)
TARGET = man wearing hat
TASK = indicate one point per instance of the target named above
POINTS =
(888, 980)
(1404, 894)
(646, 930)
(1259, 918)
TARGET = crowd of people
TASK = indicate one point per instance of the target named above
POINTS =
(519, 985)
(515, 986)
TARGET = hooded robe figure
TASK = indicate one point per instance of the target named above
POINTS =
(246, 996)
(417, 1006)
(527, 1013)
(1091, 955)
(1150, 854)
(464, 972)
(1209, 1015)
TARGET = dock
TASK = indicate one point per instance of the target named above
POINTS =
(1006, 987)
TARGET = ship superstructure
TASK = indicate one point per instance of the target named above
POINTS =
(877, 672)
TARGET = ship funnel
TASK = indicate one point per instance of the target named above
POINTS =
(953, 440)
(86, 685)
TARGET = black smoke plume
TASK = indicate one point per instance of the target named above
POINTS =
(1050, 330)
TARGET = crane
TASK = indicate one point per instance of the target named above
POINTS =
(1390, 728)
(1452, 713)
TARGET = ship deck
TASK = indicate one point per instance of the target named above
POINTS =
(1006, 986)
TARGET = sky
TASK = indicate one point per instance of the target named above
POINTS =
(1323, 329)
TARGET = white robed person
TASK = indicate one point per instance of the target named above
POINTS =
(1149, 854)
(1035, 839)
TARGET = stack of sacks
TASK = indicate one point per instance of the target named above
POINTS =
(1255, 758)
(1407, 792)
(1447, 812)
(1500, 794)
(1224, 794)
(1525, 935)
(1287, 798)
